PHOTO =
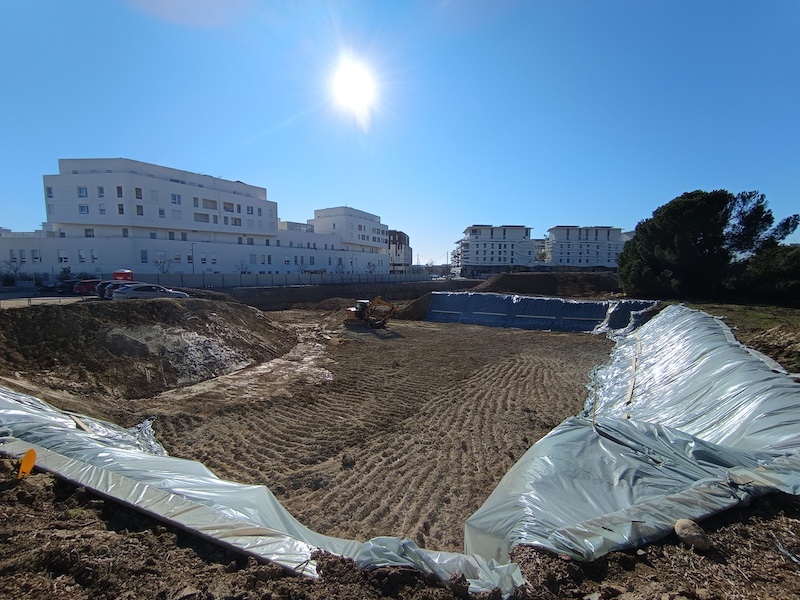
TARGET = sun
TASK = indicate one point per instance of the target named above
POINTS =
(353, 88)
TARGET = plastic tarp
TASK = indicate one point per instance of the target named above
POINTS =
(129, 466)
(527, 312)
(682, 422)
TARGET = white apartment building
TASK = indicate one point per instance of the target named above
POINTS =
(573, 246)
(111, 213)
(487, 249)
(401, 255)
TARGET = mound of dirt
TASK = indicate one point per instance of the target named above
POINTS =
(781, 343)
(600, 285)
(136, 349)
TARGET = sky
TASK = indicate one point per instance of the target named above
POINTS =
(496, 112)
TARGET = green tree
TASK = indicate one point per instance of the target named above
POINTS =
(680, 250)
(750, 227)
(689, 246)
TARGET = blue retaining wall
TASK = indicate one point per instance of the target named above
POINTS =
(525, 312)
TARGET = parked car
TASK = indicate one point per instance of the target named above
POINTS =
(100, 288)
(85, 286)
(46, 287)
(146, 290)
(114, 286)
(67, 287)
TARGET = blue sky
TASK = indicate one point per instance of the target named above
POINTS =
(502, 112)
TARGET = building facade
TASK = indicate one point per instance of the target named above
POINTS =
(486, 249)
(573, 246)
(106, 214)
(401, 256)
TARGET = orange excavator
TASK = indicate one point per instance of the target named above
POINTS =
(372, 313)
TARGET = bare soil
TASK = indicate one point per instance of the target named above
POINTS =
(360, 433)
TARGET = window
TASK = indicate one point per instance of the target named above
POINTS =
(49, 209)
(201, 218)
(143, 256)
(119, 191)
(266, 242)
(81, 256)
(202, 258)
(101, 191)
(124, 232)
(88, 232)
(13, 255)
(240, 239)
(213, 258)
(102, 209)
(49, 191)
(259, 211)
(62, 256)
(36, 256)
(250, 241)
(209, 204)
(83, 209)
(138, 193)
(215, 219)
(82, 192)
(161, 213)
(121, 209)
(152, 235)
(140, 210)
(249, 210)
(176, 198)
(196, 202)
(183, 236)
(171, 235)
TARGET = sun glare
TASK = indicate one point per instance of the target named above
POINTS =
(354, 89)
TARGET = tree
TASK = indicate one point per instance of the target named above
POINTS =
(689, 245)
(749, 231)
(241, 266)
(162, 263)
(13, 268)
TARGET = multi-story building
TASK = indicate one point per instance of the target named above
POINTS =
(486, 249)
(570, 245)
(107, 214)
(401, 255)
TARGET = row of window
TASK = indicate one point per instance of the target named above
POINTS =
(20, 256)
(176, 199)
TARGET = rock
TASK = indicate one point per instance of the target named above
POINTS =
(691, 534)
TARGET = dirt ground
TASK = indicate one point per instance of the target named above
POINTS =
(360, 433)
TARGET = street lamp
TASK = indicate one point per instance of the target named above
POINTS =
(193, 259)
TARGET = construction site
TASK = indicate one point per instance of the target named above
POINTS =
(390, 420)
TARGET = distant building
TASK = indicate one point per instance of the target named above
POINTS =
(573, 246)
(400, 253)
(486, 249)
(111, 213)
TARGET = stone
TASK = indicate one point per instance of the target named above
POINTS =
(691, 534)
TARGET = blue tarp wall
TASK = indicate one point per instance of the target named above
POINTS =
(526, 312)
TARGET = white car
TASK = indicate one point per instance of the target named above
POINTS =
(146, 290)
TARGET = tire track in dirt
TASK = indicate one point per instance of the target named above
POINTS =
(407, 437)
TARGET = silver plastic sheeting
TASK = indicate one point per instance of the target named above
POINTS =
(129, 466)
(682, 422)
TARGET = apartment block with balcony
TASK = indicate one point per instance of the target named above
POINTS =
(573, 246)
(486, 249)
